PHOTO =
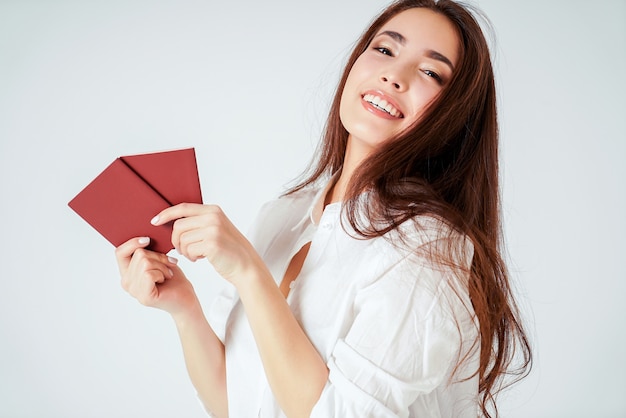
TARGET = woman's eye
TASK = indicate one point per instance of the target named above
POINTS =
(384, 51)
(434, 75)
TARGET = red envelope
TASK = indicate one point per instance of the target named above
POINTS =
(120, 202)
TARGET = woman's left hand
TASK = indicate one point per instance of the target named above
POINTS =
(204, 231)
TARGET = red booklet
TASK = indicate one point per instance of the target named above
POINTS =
(120, 202)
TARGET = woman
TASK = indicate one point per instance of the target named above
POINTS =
(375, 287)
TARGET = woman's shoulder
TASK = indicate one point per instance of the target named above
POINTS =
(282, 213)
(431, 241)
(297, 202)
(427, 228)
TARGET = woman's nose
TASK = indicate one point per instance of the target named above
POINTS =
(394, 78)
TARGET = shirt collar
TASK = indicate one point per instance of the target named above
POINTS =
(317, 204)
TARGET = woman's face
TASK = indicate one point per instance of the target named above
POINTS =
(406, 65)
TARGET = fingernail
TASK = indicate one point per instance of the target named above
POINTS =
(170, 272)
(172, 260)
(154, 220)
(144, 240)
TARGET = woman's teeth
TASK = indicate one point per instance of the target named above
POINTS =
(382, 105)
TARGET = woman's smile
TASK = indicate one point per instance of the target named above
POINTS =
(381, 105)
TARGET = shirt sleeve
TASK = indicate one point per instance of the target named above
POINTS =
(405, 341)
(220, 309)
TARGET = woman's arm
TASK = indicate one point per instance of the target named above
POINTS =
(295, 371)
(155, 280)
(204, 358)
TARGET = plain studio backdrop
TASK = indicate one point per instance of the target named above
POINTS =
(248, 85)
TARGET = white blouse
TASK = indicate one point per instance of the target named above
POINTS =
(390, 326)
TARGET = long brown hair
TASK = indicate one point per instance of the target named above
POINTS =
(445, 165)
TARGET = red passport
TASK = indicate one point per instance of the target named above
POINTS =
(120, 202)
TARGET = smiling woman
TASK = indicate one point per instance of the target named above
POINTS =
(398, 76)
(375, 286)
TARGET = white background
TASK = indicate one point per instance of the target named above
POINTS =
(248, 84)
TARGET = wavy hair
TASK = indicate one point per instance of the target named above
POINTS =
(444, 165)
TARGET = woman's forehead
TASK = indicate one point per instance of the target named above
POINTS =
(423, 28)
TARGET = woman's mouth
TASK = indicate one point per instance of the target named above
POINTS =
(383, 105)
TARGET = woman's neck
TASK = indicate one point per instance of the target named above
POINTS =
(351, 160)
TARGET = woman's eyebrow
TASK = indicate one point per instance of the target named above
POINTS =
(398, 37)
(439, 57)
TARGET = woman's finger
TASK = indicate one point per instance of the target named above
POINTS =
(183, 226)
(124, 252)
(142, 265)
(145, 290)
(196, 251)
(195, 233)
(146, 260)
(182, 210)
(155, 262)
(209, 218)
(196, 243)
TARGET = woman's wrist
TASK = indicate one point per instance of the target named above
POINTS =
(189, 316)
(252, 280)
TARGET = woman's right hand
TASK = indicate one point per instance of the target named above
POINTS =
(153, 278)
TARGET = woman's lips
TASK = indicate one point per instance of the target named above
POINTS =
(381, 105)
